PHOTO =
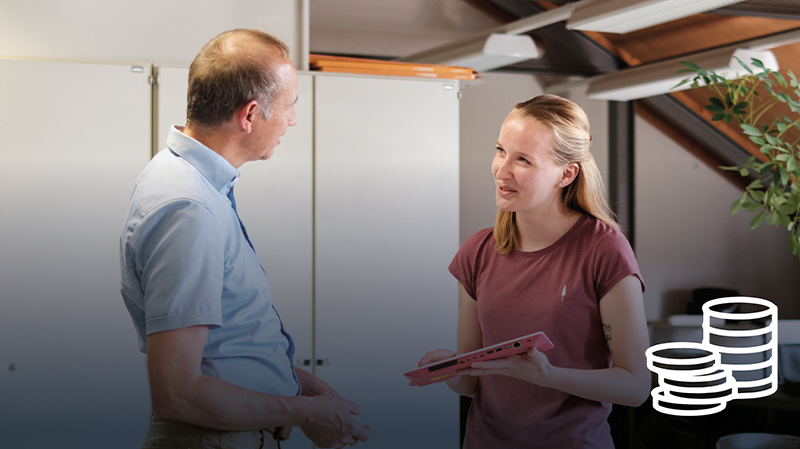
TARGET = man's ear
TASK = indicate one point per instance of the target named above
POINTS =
(245, 116)
(569, 174)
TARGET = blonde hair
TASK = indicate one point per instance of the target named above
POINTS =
(570, 141)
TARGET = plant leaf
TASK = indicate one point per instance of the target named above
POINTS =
(786, 209)
(750, 130)
(773, 219)
(681, 83)
(780, 78)
(746, 67)
(717, 102)
(757, 220)
(794, 246)
(773, 140)
(763, 168)
(729, 100)
(750, 206)
(694, 67)
(737, 205)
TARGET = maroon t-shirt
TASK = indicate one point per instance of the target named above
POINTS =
(556, 290)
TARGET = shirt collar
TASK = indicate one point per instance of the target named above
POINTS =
(214, 167)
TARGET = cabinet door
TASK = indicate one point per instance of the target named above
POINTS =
(173, 84)
(73, 138)
(386, 229)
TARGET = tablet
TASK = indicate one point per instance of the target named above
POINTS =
(442, 369)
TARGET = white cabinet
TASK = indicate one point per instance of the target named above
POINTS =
(386, 228)
(73, 138)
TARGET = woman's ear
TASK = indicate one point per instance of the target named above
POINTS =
(569, 174)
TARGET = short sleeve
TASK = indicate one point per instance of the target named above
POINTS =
(614, 261)
(179, 257)
(464, 266)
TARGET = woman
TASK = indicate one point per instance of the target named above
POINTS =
(555, 262)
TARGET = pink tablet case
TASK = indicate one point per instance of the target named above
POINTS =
(441, 370)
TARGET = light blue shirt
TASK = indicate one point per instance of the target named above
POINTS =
(186, 260)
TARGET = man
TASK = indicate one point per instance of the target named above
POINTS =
(219, 360)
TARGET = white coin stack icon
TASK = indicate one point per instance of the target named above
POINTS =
(754, 367)
(690, 379)
(697, 379)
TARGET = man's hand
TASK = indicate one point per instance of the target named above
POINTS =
(312, 385)
(332, 424)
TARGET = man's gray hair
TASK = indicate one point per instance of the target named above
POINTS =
(234, 68)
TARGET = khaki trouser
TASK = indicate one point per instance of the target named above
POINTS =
(166, 433)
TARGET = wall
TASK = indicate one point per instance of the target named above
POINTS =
(687, 239)
(142, 31)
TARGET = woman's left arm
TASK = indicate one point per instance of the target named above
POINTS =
(626, 382)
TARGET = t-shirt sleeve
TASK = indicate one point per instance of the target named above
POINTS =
(180, 260)
(464, 266)
(614, 261)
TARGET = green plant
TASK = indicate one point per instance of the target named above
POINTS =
(775, 192)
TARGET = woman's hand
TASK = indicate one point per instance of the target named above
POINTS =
(435, 356)
(532, 367)
(432, 357)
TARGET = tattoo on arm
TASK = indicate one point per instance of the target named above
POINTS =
(607, 331)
